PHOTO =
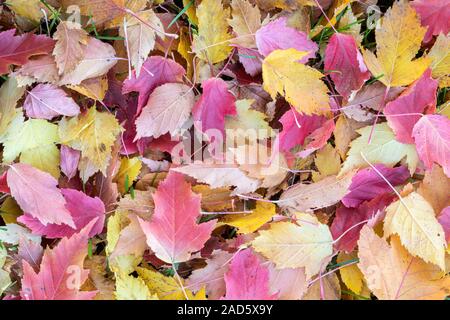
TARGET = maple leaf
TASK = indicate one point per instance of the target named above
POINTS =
(157, 71)
(167, 109)
(16, 50)
(215, 103)
(36, 193)
(398, 40)
(345, 64)
(47, 101)
(299, 84)
(70, 45)
(55, 279)
(393, 274)
(247, 279)
(175, 203)
(93, 133)
(413, 212)
(305, 244)
(211, 44)
(435, 14)
(277, 35)
(432, 136)
(403, 113)
(82, 208)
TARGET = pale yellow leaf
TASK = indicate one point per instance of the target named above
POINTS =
(414, 220)
(383, 148)
(393, 274)
(305, 244)
(440, 56)
(131, 288)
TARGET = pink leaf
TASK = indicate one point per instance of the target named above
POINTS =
(61, 272)
(47, 101)
(251, 60)
(432, 136)
(18, 49)
(215, 103)
(444, 220)
(278, 35)
(345, 64)
(418, 98)
(83, 210)
(36, 193)
(435, 14)
(367, 184)
(247, 279)
(296, 128)
(155, 72)
(347, 220)
(4, 183)
(31, 252)
(69, 161)
(173, 233)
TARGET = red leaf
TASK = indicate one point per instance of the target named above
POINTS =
(347, 218)
(296, 128)
(345, 64)
(432, 136)
(173, 233)
(318, 138)
(418, 98)
(61, 272)
(247, 279)
(36, 193)
(18, 49)
(83, 210)
(155, 72)
(215, 103)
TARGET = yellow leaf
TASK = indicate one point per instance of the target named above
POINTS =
(30, 9)
(190, 12)
(398, 38)
(299, 84)
(383, 148)
(393, 274)
(351, 275)
(10, 210)
(289, 5)
(414, 220)
(440, 56)
(248, 223)
(93, 133)
(327, 161)
(184, 49)
(288, 245)
(34, 140)
(212, 42)
(166, 288)
(131, 288)
(129, 167)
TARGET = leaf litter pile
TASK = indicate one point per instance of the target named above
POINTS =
(217, 149)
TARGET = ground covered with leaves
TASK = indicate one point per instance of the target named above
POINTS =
(224, 149)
